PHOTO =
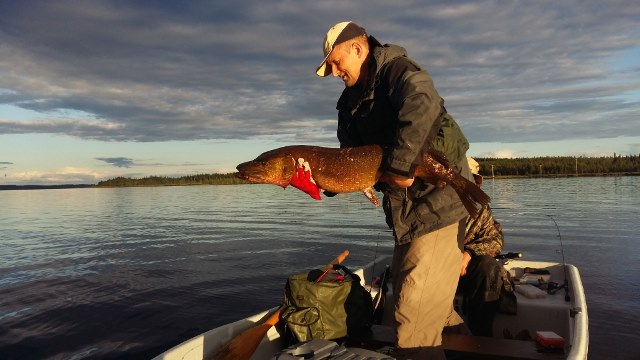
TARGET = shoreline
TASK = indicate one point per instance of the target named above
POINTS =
(486, 177)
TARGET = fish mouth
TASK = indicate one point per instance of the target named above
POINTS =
(259, 179)
(243, 173)
(243, 176)
(252, 179)
(248, 171)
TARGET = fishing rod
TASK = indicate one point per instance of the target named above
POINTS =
(564, 266)
(379, 299)
(375, 261)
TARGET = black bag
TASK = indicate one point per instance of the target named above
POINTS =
(328, 303)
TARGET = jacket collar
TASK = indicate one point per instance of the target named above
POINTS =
(380, 55)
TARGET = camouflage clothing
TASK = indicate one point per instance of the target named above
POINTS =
(487, 286)
(483, 234)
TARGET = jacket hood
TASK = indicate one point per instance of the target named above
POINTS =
(386, 53)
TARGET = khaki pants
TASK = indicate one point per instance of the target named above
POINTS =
(425, 277)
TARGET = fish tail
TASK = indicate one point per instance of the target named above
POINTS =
(471, 196)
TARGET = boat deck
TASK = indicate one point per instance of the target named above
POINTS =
(550, 312)
(474, 347)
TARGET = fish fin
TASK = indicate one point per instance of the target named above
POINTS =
(471, 195)
(303, 180)
(371, 195)
(310, 188)
(439, 156)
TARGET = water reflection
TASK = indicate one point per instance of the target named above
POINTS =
(103, 273)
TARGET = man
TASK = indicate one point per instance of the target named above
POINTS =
(482, 277)
(391, 101)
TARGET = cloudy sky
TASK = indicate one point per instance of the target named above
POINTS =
(91, 90)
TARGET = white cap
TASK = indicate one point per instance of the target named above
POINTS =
(338, 34)
(474, 166)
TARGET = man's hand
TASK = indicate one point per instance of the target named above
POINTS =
(466, 257)
(303, 180)
(397, 181)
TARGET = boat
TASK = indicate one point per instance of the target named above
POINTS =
(556, 322)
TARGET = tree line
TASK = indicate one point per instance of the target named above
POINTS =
(201, 179)
(499, 167)
(560, 166)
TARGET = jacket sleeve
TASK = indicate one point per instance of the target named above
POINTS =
(419, 108)
(484, 234)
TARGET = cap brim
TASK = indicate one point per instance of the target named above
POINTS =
(323, 70)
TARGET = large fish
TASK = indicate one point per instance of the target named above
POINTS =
(353, 169)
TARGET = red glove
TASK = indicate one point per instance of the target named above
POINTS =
(303, 180)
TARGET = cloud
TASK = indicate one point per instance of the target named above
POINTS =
(521, 71)
(65, 175)
(121, 162)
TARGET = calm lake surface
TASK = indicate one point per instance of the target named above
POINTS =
(130, 272)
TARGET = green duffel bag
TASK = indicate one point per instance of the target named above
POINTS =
(328, 303)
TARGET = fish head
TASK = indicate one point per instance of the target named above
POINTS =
(271, 167)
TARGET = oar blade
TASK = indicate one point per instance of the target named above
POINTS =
(244, 345)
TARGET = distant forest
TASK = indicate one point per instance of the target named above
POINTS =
(202, 179)
(560, 166)
(497, 167)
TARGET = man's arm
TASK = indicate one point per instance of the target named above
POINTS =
(398, 181)
(419, 110)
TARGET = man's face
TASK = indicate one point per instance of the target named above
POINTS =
(346, 62)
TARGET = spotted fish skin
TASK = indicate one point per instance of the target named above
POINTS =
(344, 170)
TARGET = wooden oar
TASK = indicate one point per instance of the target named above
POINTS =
(340, 258)
(244, 345)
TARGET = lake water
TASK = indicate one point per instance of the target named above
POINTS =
(130, 272)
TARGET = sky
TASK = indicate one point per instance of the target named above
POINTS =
(92, 90)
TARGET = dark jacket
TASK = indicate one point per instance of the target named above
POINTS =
(401, 110)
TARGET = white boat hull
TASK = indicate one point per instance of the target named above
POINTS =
(568, 319)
